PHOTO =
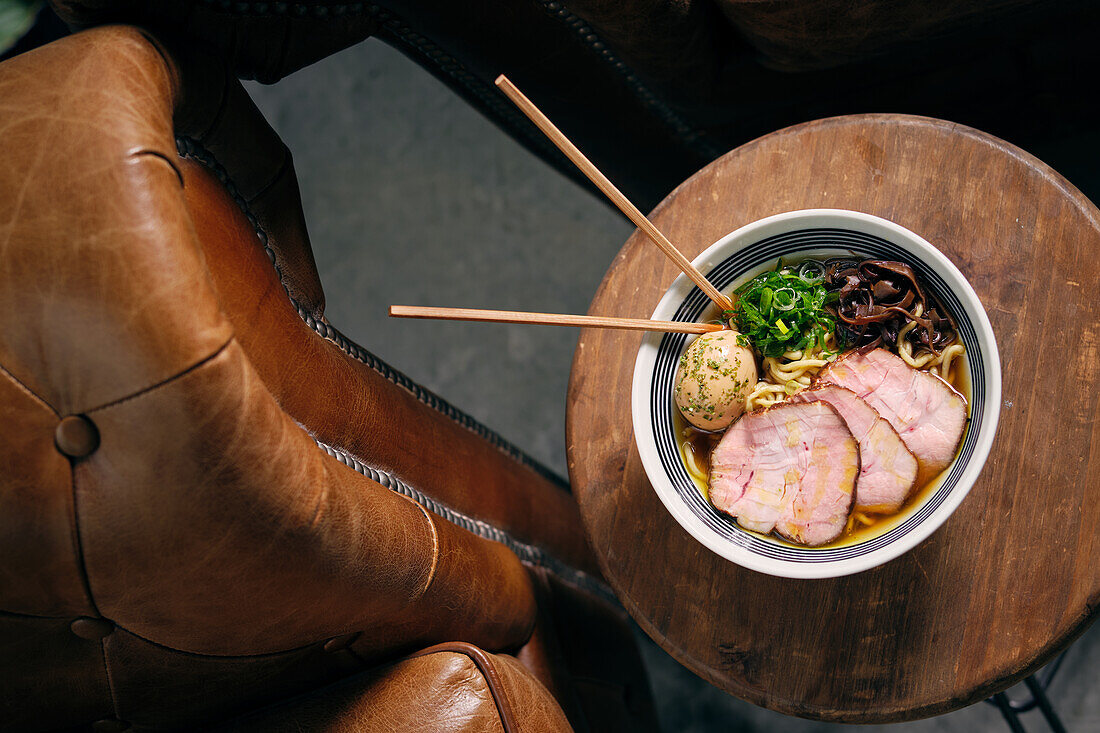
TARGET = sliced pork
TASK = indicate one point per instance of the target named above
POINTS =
(927, 412)
(789, 468)
(888, 470)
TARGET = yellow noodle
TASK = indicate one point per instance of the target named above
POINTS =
(795, 370)
(765, 394)
(694, 467)
(947, 357)
(850, 524)
(925, 359)
(781, 371)
(905, 351)
(783, 376)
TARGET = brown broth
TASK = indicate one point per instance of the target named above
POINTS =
(701, 444)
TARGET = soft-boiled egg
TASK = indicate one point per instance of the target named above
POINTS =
(715, 376)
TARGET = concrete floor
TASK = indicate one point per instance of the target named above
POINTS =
(413, 198)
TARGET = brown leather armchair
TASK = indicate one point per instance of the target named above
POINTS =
(214, 505)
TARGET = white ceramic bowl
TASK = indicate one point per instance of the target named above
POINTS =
(755, 248)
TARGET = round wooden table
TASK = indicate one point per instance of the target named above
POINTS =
(1014, 575)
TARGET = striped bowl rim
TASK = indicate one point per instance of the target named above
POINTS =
(752, 249)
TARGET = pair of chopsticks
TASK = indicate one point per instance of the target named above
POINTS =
(585, 165)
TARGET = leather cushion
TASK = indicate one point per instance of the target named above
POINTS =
(450, 687)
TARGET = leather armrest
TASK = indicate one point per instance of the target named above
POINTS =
(190, 511)
(209, 540)
(453, 687)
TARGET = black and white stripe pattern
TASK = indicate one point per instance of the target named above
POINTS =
(806, 242)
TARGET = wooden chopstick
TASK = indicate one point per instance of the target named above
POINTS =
(549, 319)
(551, 131)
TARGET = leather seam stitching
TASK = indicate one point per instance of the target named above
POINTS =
(529, 554)
(429, 398)
(78, 543)
(201, 655)
(28, 391)
(157, 385)
(177, 650)
(191, 148)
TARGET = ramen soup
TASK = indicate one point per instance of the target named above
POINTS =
(870, 341)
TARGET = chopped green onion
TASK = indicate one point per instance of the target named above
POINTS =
(784, 299)
(765, 299)
(784, 309)
(812, 272)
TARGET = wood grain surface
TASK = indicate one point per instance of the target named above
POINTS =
(1014, 575)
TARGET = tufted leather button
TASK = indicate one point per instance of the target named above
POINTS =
(109, 725)
(337, 643)
(90, 628)
(76, 436)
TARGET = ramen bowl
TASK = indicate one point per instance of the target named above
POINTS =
(733, 260)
